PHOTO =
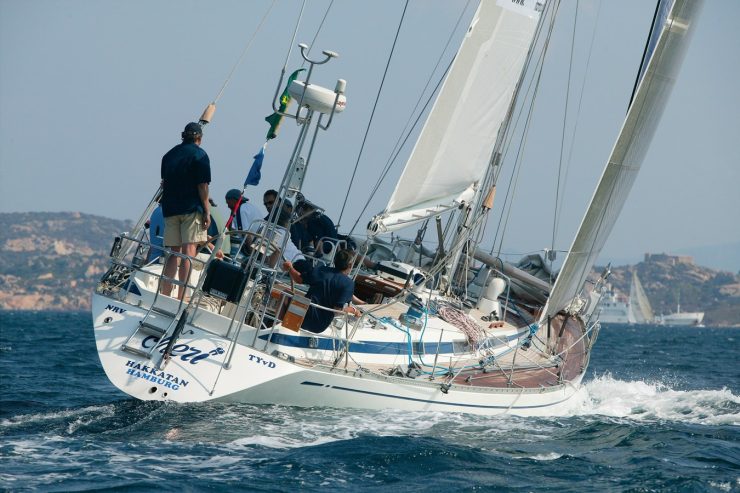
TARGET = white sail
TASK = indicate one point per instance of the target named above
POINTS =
(627, 155)
(639, 303)
(455, 145)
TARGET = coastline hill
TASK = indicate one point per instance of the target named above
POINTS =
(51, 261)
(672, 279)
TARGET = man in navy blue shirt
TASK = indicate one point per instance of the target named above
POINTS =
(186, 173)
(318, 227)
(328, 286)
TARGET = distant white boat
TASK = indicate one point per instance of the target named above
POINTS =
(619, 309)
(615, 308)
(682, 318)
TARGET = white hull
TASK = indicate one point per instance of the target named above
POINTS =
(683, 319)
(195, 373)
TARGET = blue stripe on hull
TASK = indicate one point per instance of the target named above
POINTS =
(374, 347)
(367, 347)
(426, 401)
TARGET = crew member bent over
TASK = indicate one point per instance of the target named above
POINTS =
(328, 286)
(186, 173)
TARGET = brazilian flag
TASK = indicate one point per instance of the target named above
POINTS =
(275, 119)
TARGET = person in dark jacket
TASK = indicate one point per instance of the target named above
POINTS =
(317, 226)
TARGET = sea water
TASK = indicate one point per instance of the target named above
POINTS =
(659, 411)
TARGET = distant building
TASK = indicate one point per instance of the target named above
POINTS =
(664, 258)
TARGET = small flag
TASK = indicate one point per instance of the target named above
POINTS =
(276, 118)
(255, 172)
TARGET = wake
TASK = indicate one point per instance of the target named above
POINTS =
(650, 401)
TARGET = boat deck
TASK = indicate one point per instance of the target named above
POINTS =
(520, 368)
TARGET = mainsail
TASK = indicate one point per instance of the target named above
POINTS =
(627, 155)
(455, 145)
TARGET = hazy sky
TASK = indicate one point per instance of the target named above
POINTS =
(94, 92)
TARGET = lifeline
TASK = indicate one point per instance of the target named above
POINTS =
(168, 380)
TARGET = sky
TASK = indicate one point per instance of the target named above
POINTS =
(94, 92)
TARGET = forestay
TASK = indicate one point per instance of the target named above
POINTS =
(627, 155)
(455, 145)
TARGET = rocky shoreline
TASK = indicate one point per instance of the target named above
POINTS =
(52, 260)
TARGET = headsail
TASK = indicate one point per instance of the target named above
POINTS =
(627, 155)
(455, 145)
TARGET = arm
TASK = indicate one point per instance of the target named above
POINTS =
(292, 272)
(345, 295)
(203, 194)
(352, 310)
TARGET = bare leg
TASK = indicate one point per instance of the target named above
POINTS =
(170, 267)
(183, 274)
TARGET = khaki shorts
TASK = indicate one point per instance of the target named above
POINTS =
(184, 228)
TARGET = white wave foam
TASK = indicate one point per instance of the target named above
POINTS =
(284, 428)
(641, 400)
(24, 419)
(546, 457)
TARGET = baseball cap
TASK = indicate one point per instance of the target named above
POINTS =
(192, 130)
(233, 194)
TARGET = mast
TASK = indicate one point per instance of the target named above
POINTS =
(486, 191)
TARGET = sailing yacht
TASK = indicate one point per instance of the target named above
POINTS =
(464, 331)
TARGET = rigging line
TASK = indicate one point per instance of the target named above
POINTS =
(391, 156)
(399, 142)
(244, 52)
(645, 52)
(315, 36)
(580, 102)
(295, 33)
(372, 114)
(509, 134)
(520, 148)
(509, 131)
(562, 136)
(389, 165)
(535, 82)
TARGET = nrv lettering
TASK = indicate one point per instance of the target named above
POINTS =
(257, 359)
(115, 309)
(191, 354)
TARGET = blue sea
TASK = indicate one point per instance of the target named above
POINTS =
(660, 411)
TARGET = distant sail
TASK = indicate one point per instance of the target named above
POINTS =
(642, 312)
(627, 156)
(455, 145)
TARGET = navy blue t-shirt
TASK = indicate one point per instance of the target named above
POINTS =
(320, 226)
(184, 167)
(327, 287)
(299, 236)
